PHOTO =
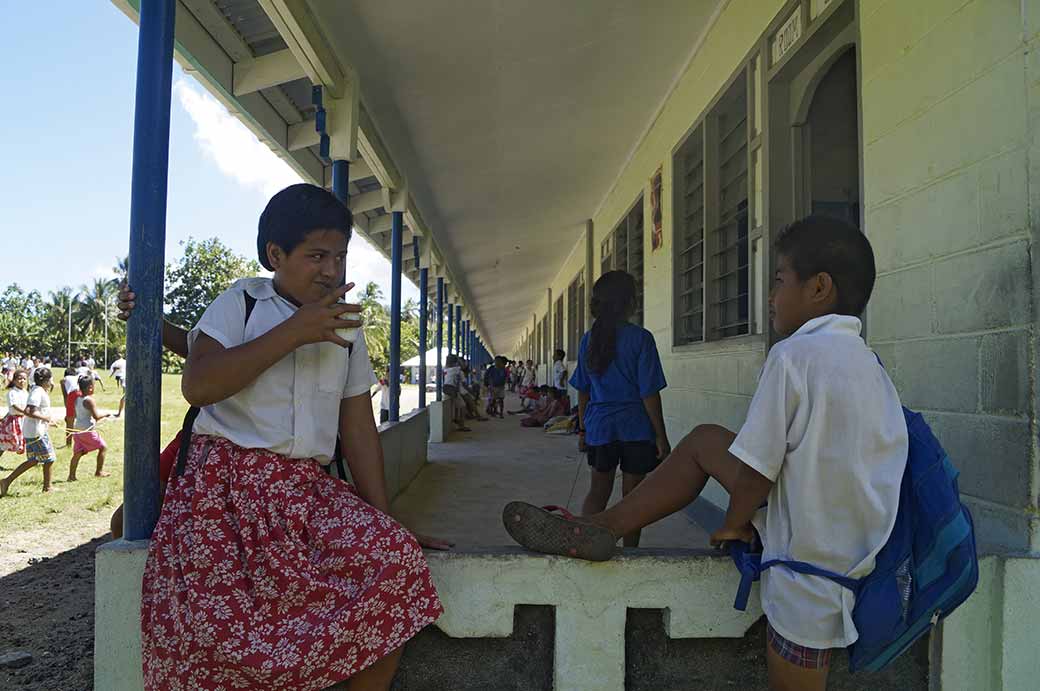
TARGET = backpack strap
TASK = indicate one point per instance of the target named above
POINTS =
(751, 566)
(193, 411)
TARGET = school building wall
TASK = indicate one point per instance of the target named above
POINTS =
(949, 99)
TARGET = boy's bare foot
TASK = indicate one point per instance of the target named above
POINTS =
(70, 478)
(102, 474)
(4, 486)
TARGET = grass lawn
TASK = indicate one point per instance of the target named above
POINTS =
(27, 507)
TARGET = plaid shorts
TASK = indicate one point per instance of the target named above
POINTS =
(40, 450)
(797, 655)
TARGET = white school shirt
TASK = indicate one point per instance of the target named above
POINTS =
(559, 375)
(31, 427)
(69, 383)
(826, 426)
(384, 397)
(292, 408)
(90, 362)
(16, 397)
(118, 368)
(530, 376)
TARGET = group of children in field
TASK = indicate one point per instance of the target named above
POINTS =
(24, 429)
(265, 572)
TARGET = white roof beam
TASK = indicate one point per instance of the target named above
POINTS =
(301, 33)
(266, 71)
(367, 201)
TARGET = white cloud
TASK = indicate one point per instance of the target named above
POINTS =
(242, 157)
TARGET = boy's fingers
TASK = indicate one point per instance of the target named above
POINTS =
(336, 294)
(345, 307)
(338, 323)
(333, 338)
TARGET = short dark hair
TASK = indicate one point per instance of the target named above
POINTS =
(296, 211)
(42, 375)
(85, 381)
(818, 244)
(559, 353)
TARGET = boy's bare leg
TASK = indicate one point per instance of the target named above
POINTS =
(73, 464)
(116, 523)
(47, 476)
(5, 484)
(377, 677)
(702, 453)
(601, 484)
(629, 481)
(785, 676)
(99, 472)
(69, 422)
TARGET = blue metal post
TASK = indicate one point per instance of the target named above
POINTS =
(396, 231)
(466, 343)
(148, 187)
(424, 298)
(340, 178)
(440, 337)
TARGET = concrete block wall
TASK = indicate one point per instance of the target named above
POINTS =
(946, 147)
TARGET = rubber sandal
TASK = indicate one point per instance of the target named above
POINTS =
(554, 530)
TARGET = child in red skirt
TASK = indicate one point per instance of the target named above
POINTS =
(87, 439)
(11, 438)
(265, 572)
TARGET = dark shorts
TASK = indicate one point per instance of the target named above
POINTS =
(635, 457)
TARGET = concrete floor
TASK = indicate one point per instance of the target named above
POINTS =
(459, 495)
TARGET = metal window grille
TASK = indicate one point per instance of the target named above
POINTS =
(606, 255)
(625, 244)
(558, 324)
(575, 314)
(729, 242)
(545, 340)
(689, 223)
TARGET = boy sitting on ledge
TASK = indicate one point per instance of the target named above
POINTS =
(815, 471)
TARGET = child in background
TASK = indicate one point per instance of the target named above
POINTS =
(619, 379)
(38, 447)
(453, 391)
(559, 370)
(384, 401)
(87, 439)
(335, 586)
(11, 434)
(495, 379)
(815, 471)
(69, 393)
(118, 371)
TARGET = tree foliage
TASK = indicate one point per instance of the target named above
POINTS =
(205, 270)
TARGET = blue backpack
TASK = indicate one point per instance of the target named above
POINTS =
(927, 568)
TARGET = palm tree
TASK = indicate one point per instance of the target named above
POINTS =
(99, 302)
(121, 269)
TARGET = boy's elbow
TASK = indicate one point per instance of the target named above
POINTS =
(194, 392)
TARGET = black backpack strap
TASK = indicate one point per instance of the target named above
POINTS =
(193, 412)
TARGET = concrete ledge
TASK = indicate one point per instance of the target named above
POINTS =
(479, 590)
(985, 646)
(404, 450)
(441, 426)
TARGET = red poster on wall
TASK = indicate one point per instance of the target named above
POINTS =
(657, 234)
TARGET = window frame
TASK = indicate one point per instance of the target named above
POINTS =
(575, 314)
(752, 70)
(633, 218)
(558, 329)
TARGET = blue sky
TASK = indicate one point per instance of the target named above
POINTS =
(65, 176)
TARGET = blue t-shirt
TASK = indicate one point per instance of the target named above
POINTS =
(615, 411)
(495, 376)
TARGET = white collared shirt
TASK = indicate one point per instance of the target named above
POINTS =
(826, 426)
(292, 408)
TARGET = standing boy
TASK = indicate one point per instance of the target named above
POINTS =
(495, 379)
(815, 471)
(87, 439)
(559, 371)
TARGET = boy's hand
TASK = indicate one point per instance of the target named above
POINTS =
(744, 533)
(663, 448)
(432, 542)
(318, 321)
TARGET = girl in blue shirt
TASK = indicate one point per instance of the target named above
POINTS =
(619, 381)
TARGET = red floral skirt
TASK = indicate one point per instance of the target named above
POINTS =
(11, 438)
(266, 573)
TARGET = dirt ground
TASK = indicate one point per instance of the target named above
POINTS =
(47, 605)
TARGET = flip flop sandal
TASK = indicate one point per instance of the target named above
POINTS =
(554, 530)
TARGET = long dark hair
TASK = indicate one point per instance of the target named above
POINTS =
(613, 299)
